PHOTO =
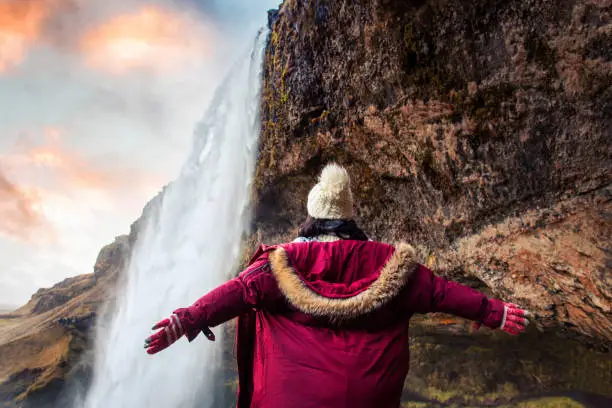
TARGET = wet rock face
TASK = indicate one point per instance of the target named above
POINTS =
(480, 129)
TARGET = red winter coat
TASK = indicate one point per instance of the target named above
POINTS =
(325, 324)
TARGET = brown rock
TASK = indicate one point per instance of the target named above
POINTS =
(479, 129)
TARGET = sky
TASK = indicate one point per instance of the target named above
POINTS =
(98, 102)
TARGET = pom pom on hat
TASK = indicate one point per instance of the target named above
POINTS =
(331, 198)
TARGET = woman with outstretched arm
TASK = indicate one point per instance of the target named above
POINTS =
(323, 320)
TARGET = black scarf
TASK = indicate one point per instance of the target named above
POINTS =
(343, 229)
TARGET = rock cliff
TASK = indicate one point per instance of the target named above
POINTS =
(480, 130)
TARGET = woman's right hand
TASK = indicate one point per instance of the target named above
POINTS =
(515, 319)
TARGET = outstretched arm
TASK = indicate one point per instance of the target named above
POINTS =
(428, 293)
(254, 288)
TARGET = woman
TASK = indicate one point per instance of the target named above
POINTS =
(323, 320)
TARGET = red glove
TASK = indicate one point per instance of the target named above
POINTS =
(514, 320)
(172, 331)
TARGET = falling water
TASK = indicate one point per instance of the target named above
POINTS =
(187, 245)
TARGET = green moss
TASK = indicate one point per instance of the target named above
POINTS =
(322, 117)
(550, 402)
(284, 95)
(468, 366)
(454, 394)
(557, 402)
(439, 395)
(478, 350)
(284, 73)
(415, 405)
(272, 161)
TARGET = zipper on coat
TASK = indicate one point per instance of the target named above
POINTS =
(260, 267)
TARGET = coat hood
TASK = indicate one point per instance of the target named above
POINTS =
(343, 279)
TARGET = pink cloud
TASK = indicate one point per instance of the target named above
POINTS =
(20, 212)
(21, 26)
(37, 177)
(149, 37)
(66, 168)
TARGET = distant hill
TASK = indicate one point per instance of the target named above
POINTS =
(42, 341)
(7, 308)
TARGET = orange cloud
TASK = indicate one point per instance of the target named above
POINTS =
(20, 211)
(61, 168)
(46, 183)
(76, 172)
(152, 38)
(20, 25)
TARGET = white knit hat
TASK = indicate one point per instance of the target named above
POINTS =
(331, 198)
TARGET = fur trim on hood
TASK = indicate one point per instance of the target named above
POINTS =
(393, 276)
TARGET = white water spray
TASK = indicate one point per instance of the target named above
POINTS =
(187, 245)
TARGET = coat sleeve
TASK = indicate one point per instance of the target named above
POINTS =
(254, 288)
(429, 293)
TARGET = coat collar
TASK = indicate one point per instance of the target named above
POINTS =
(391, 279)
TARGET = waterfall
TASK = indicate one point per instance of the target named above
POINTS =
(188, 243)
